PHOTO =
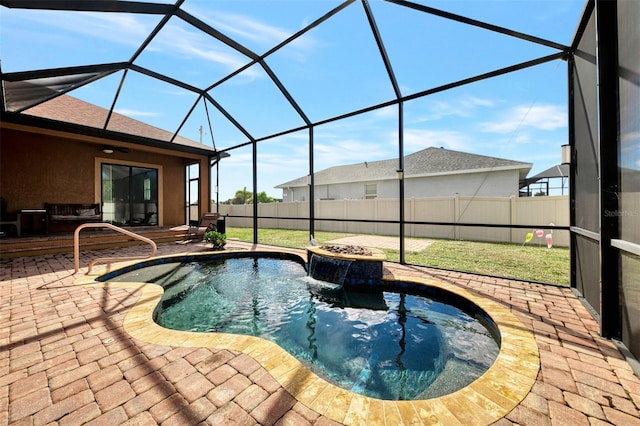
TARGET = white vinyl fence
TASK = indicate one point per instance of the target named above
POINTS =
(540, 211)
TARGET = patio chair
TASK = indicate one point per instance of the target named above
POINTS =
(208, 222)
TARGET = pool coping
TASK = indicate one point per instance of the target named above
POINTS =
(489, 398)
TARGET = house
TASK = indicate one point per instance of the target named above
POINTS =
(59, 152)
(431, 172)
(552, 181)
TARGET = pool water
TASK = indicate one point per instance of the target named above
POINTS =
(383, 344)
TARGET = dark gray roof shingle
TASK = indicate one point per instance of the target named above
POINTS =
(73, 110)
(428, 161)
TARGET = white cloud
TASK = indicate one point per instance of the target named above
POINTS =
(630, 138)
(386, 112)
(462, 107)
(195, 44)
(521, 137)
(541, 117)
(244, 27)
(131, 30)
(113, 27)
(417, 139)
(630, 142)
(248, 28)
(347, 151)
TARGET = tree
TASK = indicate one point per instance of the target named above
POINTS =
(246, 197)
(242, 196)
(264, 198)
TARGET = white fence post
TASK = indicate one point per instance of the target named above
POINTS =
(456, 216)
(513, 208)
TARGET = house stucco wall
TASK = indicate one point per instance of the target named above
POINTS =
(500, 183)
(38, 168)
(356, 190)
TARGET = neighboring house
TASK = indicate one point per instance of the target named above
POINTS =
(59, 152)
(432, 172)
(553, 181)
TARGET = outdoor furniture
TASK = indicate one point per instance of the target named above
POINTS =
(9, 219)
(208, 222)
(71, 214)
(32, 221)
(14, 221)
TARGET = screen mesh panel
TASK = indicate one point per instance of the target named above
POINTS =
(585, 167)
(587, 254)
(586, 132)
(629, 164)
(629, 301)
(629, 83)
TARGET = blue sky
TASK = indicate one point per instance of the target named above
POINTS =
(331, 70)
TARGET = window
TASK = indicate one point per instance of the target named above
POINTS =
(147, 189)
(370, 191)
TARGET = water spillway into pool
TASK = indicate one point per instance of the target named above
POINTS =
(393, 341)
(353, 266)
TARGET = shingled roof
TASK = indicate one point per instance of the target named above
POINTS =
(68, 109)
(427, 162)
(557, 171)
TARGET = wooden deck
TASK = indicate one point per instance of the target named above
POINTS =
(90, 239)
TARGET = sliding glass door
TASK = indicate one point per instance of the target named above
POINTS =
(129, 195)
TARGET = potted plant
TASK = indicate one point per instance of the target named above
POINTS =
(216, 239)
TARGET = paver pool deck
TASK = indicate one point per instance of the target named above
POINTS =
(68, 355)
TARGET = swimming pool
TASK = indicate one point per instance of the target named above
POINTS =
(404, 342)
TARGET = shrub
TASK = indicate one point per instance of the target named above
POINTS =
(216, 239)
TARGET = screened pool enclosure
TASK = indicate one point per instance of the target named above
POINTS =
(280, 91)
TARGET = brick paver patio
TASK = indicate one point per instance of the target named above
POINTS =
(65, 358)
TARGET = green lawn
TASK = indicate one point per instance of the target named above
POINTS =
(529, 263)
